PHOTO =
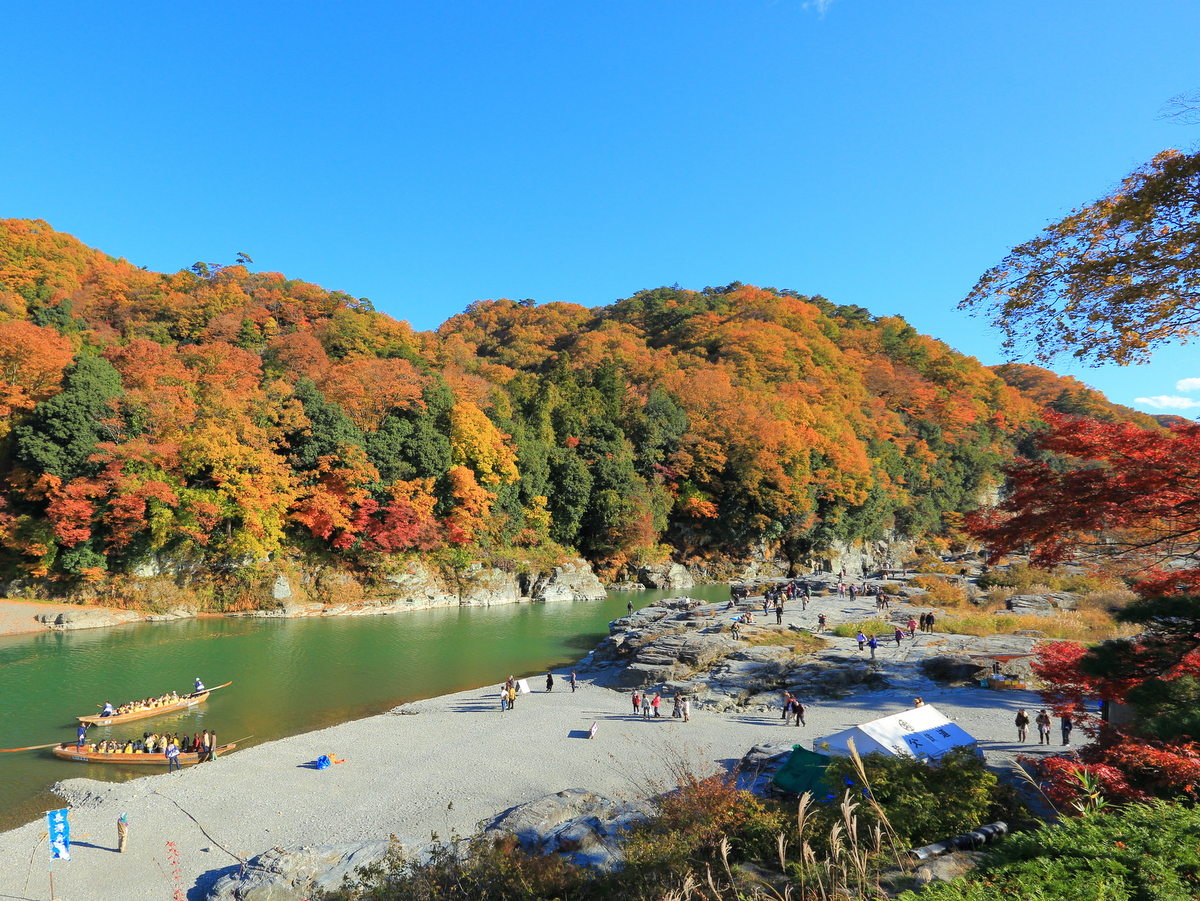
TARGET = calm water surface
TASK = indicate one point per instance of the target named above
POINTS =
(289, 676)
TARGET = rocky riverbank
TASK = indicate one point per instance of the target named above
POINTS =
(267, 824)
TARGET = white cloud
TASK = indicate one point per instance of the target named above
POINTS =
(819, 5)
(1170, 402)
(1187, 385)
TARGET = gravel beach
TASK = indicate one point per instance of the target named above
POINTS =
(440, 765)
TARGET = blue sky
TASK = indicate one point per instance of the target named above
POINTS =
(426, 155)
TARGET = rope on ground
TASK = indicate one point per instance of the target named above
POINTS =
(240, 860)
(29, 872)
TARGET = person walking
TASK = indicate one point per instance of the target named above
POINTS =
(929, 621)
(1022, 725)
(1043, 723)
(549, 681)
(899, 636)
(862, 640)
(787, 706)
(645, 705)
(1066, 725)
(122, 833)
(656, 703)
(798, 709)
(912, 627)
(573, 680)
(820, 622)
(873, 643)
(173, 756)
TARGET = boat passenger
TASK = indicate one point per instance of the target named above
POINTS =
(108, 709)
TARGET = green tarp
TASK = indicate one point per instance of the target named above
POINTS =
(803, 772)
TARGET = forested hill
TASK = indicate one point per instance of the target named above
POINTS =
(228, 417)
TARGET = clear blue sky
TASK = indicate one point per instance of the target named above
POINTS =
(426, 155)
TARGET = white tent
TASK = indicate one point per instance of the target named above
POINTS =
(921, 732)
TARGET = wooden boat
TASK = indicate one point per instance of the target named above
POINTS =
(68, 751)
(186, 701)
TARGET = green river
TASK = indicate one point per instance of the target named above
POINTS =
(289, 676)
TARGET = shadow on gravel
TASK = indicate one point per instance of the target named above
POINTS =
(205, 882)
(476, 706)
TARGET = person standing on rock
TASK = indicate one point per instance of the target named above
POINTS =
(1022, 725)
(686, 706)
(677, 709)
(637, 702)
(899, 636)
(929, 621)
(912, 627)
(1043, 723)
(873, 644)
(629, 606)
(503, 698)
(549, 681)
(862, 640)
(779, 613)
(787, 706)
(1066, 725)
(820, 622)
(645, 705)
(656, 703)
(512, 696)
(122, 833)
(573, 680)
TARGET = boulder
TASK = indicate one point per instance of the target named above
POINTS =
(89, 618)
(572, 581)
(280, 875)
(1042, 604)
(580, 825)
(665, 576)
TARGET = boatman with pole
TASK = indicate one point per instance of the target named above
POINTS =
(199, 686)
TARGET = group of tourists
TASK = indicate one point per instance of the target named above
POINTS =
(793, 708)
(1044, 723)
(648, 707)
(927, 621)
(170, 697)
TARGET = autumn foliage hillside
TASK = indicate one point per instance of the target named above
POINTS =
(225, 418)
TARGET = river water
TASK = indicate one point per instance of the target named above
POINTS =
(289, 676)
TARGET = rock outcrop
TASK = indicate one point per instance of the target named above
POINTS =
(280, 875)
(572, 581)
(85, 618)
(1042, 604)
(581, 826)
(665, 576)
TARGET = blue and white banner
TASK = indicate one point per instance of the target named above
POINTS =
(60, 834)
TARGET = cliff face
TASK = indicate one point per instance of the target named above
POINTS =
(319, 591)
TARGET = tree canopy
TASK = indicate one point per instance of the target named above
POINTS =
(1112, 280)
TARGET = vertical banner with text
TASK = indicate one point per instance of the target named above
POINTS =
(60, 834)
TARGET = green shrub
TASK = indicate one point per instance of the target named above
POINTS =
(1140, 853)
(924, 802)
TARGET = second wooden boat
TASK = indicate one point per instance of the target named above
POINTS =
(196, 697)
(69, 751)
